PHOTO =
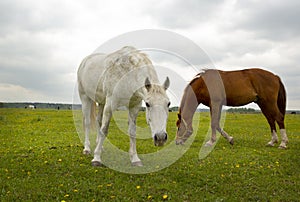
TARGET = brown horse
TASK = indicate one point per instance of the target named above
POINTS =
(215, 88)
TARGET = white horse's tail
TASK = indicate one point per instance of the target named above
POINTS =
(93, 115)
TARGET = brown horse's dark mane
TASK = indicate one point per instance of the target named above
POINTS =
(197, 76)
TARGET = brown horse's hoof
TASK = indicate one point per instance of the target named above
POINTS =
(97, 164)
(282, 147)
(209, 144)
(231, 140)
(137, 163)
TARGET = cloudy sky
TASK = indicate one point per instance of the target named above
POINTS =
(43, 42)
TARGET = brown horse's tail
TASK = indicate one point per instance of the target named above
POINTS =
(281, 100)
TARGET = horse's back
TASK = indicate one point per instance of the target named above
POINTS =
(263, 81)
(89, 76)
(245, 86)
(91, 64)
(256, 77)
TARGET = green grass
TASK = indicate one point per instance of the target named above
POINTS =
(41, 160)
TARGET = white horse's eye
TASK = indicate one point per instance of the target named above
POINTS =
(169, 103)
(147, 104)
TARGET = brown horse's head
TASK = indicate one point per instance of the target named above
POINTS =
(189, 102)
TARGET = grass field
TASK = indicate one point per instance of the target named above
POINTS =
(41, 160)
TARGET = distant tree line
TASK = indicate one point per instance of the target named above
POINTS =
(58, 106)
(38, 105)
(241, 110)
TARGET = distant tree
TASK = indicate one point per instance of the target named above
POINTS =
(174, 109)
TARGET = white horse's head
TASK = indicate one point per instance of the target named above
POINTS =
(157, 110)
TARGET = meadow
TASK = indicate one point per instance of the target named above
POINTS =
(41, 160)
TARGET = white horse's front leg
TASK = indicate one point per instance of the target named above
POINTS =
(135, 160)
(102, 135)
(87, 149)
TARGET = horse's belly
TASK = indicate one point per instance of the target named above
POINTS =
(239, 100)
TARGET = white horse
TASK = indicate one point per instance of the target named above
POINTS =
(122, 78)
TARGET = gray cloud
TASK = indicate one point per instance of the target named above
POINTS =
(179, 14)
(43, 42)
(276, 20)
(34, 16)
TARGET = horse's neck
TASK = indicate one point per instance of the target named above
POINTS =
(188, 105)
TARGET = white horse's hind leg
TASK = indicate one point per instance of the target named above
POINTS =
(107, 113)
(274, 139)
(135, 160)
(86, 111)
(99, 121)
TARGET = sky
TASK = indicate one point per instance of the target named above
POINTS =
(43, 42)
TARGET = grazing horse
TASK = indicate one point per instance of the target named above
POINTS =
(215, 88)
(123, 78)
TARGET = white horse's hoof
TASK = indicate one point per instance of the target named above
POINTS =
(96, 164)
(270, 144)
(86, 152)
(137, 163)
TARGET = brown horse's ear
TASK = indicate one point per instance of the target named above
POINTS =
(178, 123)
(179, 116)
(166, 83)
(147, 84)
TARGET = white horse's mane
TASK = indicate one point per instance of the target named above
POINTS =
(128, 56)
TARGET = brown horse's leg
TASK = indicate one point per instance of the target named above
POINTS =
(280, 121)
(214, 113)
(215, 125)
(269, 112)
(225, 135)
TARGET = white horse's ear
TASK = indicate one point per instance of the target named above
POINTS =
(147, 84)
(166, 83)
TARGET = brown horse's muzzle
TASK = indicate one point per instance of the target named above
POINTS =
(180, 140)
